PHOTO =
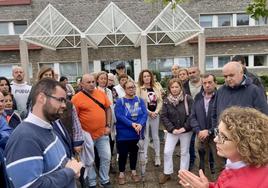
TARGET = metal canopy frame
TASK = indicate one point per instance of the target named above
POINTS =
(110, 29)
(113, 28)
(172, 26)
(52, 30)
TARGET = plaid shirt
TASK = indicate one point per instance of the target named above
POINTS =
(78, 139)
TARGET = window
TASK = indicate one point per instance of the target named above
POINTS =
(6, 70)
(260, 60)
(71, 70)
(242, 19)
(206, 21)
(222, 60)
(20, 26)
(246, 60)
(162, 65)
(225, 20)
(110, 66)
(13, 28)
(185, 61)
(4, 28)
(209, 62)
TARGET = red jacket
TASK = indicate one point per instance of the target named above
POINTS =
(246, 177)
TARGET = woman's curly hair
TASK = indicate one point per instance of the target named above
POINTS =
(249, 130)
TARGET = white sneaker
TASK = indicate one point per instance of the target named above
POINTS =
(157, 161)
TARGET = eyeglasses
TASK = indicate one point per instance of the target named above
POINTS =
(59, 99)
(221, 138)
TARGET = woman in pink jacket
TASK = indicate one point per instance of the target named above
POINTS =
(242, 138)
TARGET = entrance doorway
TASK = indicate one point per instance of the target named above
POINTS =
(109, 66)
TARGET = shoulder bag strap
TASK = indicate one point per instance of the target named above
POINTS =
(186, 105)
(95, 100)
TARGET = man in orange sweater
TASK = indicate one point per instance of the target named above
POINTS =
(94, 112)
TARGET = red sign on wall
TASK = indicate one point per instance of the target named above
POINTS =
(15, 2)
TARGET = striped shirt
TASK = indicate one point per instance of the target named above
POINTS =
(36, 157)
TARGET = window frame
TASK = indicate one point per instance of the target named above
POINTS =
(11, 26)
(230, 20)
(237, 14)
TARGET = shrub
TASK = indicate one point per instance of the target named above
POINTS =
(220, 80)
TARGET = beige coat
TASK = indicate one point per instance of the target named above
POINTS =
(142, 92)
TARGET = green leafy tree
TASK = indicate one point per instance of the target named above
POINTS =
(165, 2)
(258, 9)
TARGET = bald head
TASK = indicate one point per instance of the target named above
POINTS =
(233, 73)
(18, 74)
(88, 82)
(234, 65)
(174, 70)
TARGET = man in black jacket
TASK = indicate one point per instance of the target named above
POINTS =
(237, 91)
(200, 121)
(255, 79)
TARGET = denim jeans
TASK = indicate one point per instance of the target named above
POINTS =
(204, 149)
(192, 150)
(153, 125)
(103, 147)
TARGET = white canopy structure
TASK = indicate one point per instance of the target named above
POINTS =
(113, 28)
(172, 26)
(52, 30)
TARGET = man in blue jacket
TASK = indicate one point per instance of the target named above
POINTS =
(201, 122)
(238, 90)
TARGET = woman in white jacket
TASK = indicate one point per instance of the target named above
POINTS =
(151, 94)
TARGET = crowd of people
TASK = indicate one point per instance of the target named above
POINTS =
(54, 136)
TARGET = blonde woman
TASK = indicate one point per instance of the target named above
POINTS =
(242, 138)
(151, 94)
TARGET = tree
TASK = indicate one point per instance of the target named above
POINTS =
(165, 2)
(258, 9)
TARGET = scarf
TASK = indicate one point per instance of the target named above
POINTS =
(175, 99)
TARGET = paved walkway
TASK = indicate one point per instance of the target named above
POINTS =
(152, 174)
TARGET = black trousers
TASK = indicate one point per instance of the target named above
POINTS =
(125, 148)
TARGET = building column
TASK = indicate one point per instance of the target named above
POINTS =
(201, 51)
(137, 69)
(96, 66)
(84, 56)
(24, 59)
(144, 56)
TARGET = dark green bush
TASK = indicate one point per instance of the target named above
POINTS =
(220, 80)
(264, 79)
(164, 81)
